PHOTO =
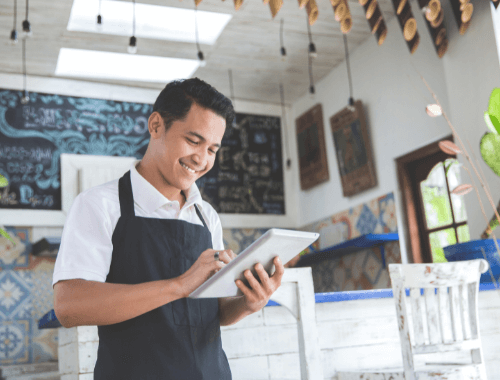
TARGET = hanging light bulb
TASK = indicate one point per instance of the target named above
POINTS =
(312, 47)
(13, 37)
(201, 58)
(282, 49)
(27, 29)
(433, 110)
(312, 50)
(351, 107)
(99, 17)
(13, 33)
(25, 98)
(26, 24)
(132, 45)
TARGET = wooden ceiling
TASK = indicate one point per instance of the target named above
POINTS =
(249, 45)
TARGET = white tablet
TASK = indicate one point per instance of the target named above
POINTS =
(275, 242)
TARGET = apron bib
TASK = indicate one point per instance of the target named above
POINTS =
(177, 341)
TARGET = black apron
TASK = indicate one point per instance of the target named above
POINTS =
(180, 340)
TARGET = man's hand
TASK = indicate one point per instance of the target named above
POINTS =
(257, 296)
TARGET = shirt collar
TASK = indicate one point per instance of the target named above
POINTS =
(150, 199)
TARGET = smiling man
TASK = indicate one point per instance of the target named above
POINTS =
(133, 249)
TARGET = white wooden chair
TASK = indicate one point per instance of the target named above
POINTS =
(444, 319)
(437, 322)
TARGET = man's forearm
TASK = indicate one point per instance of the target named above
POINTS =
(232, 310)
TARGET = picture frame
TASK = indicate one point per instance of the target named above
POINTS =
(353, 150)
(313, 164)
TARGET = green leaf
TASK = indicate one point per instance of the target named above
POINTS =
(490, 151)
(6, 235)
(494, 104)
(3, 181)
(492, 123)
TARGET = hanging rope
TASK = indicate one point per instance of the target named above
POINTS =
(25, 93)
(231, 84)
(15, 15)
(285, 128)
(281, 32)
(133, 20)
(348, 67)
(27, 7)
(311, 89)
(196, 26)
(309, 29)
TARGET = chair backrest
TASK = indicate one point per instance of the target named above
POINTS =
(442, 299)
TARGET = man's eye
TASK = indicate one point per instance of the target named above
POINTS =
(192, 142)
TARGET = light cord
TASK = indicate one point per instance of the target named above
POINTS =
(231, 84)
(15, 14)
(310, 71)
(281, 32)
(348, 66)
(24, 65)
(27, 8)
(133, 23)
(285, 128)
(196, 26)
(309, 29)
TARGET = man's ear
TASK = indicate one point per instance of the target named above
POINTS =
(155, 125)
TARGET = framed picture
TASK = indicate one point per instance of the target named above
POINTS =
(353, 150)
(313, 164)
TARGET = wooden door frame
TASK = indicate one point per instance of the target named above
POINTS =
(412, 223)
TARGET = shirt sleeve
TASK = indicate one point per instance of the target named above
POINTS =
(86, 247)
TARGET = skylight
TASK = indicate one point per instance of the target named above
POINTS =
(152, 21)
(106, 65)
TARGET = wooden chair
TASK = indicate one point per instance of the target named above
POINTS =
(444, 319)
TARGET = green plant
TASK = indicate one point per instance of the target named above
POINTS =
(4, 183)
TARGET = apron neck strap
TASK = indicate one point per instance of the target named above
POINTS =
(200, 216)
(126, 195)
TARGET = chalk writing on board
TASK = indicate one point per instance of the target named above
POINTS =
(33, 136)
(247, 176)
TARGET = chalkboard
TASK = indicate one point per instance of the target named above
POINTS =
(247, 176)
(33, 136)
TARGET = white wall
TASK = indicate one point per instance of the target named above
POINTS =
(141, 95)
(387, 80)
(472, 71)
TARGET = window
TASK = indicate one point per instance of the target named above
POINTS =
(435, 218)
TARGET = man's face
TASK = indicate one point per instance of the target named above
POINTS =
(188, 149)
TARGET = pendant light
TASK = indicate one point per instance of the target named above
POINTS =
(13, 34)
(351, 99)
(234, 124)
(285, 128)
(25, 98)
(26, 24)
(132, 45)
(312, 47)
(99, 17)
(201, 58)
(282, 50)
(312, 90)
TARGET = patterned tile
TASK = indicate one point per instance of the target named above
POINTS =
(15, 342)
(15, 294)
(15, 256)
(372, 267)
(44, 343)
(367, 221)
(41, 278)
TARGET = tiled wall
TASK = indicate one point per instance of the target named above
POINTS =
(363, 269)
(26, 291)
(25, 296)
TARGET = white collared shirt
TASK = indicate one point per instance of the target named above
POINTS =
(86, 247)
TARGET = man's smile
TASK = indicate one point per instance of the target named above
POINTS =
(188, 168)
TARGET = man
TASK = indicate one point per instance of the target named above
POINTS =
(133, 249)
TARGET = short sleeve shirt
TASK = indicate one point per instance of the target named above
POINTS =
(86, 246)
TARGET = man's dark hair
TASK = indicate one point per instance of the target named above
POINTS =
(176, 99)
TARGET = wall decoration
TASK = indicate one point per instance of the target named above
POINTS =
(353, 150)
(434, 19)
(313, 163)
(247, 176)
(462, 10)
(375, 19)
(342, 15)
(407, 23)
